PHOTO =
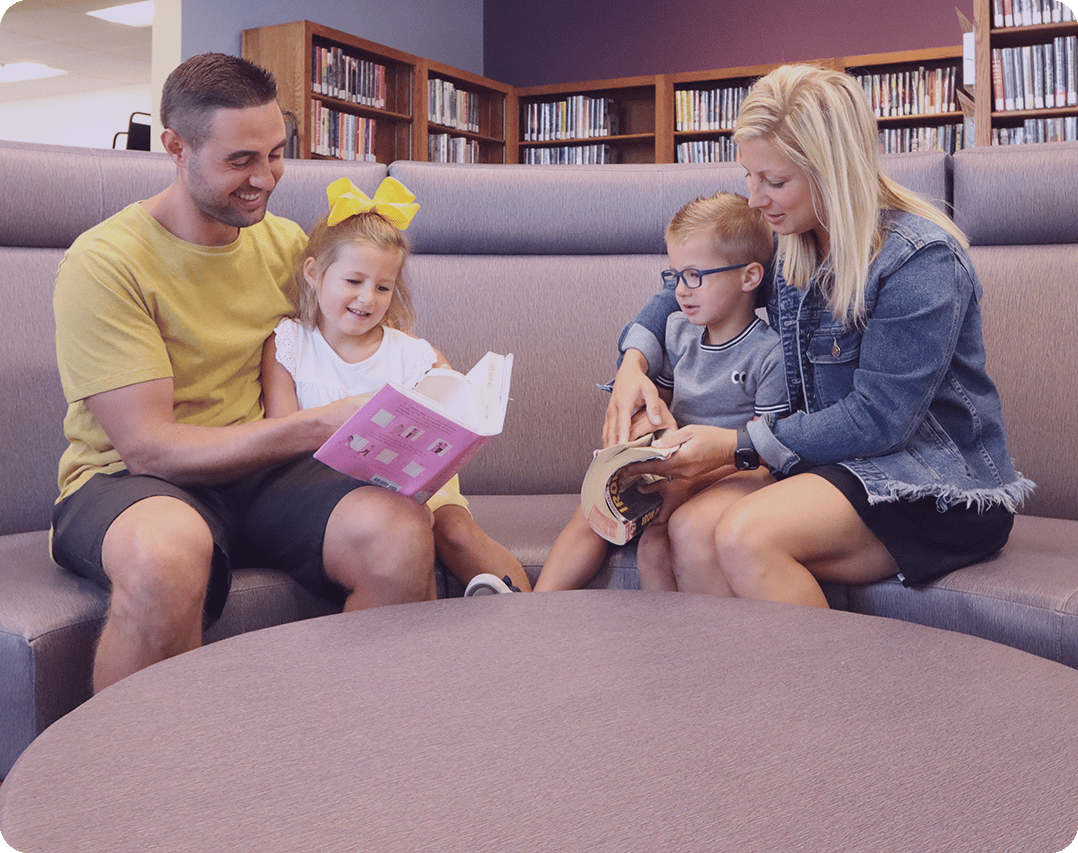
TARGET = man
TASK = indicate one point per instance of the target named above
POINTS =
(172, 475)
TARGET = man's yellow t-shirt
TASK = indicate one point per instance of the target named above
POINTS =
(134, 303)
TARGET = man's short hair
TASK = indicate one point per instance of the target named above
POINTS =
(205, 83)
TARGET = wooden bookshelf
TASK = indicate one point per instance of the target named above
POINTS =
(914, 94)
(394, 122)
(625, 119)
(703, 107)
(490, 132)
(661, 118)
(993, 34)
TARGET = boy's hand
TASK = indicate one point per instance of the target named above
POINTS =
(633, 392)
(642, 424)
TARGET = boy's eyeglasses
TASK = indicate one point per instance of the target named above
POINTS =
(693, 278)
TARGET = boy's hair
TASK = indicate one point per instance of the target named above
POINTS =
(201, 85)
(324, 245)
(737, 232)
(822, 122)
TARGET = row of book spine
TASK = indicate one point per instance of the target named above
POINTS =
(722, 150)
(1036, 77)
(902, 140)
(913, 92)
(708, 109)
(576, 117)
(1026, 13)
(1057, 129)
(573, 155)
(452, 107)
(445, 148)
(341, 135)
(337, 74)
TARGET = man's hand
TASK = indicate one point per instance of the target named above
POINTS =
(139, 422)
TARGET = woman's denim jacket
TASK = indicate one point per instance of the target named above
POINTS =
(904, 403)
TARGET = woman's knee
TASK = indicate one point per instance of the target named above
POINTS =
(740, 537)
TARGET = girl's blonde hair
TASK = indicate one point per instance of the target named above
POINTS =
(736, 231)
(325, 244)
(822, 122)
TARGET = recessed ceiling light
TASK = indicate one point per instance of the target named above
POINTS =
(14, 72)
(132, 14)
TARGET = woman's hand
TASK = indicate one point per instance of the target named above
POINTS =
(700, 450)
(633, 392)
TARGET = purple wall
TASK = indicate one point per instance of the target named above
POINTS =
(542, 42)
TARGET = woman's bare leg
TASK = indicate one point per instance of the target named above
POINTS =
(780, 542)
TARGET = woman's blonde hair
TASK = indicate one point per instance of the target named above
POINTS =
(324, 245)
(822, 122)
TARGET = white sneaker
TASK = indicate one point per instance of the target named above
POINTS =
(487, 584)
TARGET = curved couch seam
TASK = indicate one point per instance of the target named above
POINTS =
(1056, 630)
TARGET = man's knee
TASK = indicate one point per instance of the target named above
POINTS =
(157, 555)
(374, 533)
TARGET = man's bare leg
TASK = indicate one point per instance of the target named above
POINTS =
(380, 547)
(157, 554)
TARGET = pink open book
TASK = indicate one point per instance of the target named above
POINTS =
(413, 441)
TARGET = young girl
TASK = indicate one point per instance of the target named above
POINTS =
(350, 336)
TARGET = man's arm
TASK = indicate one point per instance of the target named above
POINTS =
(139, 421)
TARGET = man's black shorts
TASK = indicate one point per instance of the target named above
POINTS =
(275, 518)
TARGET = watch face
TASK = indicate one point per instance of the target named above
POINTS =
(746, 459)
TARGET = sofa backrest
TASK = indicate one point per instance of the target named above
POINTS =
(545, 262)
(1019, 207)
(549, 263)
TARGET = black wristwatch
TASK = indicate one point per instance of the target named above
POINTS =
(745, 457)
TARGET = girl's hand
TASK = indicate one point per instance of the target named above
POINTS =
(700, 450)
(633, 392)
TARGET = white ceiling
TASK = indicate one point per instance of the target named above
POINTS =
(98, 54)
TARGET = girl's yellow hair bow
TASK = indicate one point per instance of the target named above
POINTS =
(392, 200)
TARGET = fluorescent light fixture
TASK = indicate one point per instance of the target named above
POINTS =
(14, 72)
(132, 14)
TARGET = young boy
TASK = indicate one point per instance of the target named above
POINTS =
(723, 366)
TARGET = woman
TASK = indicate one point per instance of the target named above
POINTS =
(895, 459)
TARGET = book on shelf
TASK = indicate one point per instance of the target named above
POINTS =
(611, 501)
(452, 107)
(708, 109)
(569, 155)
(1039, 76)
(339, 75)
(1056, 129)
(575, 117)
(903, 140)
(1026, 13)
(446, 148)
(721, 150)
(911, 92)
(413, 441)
(341, 135)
